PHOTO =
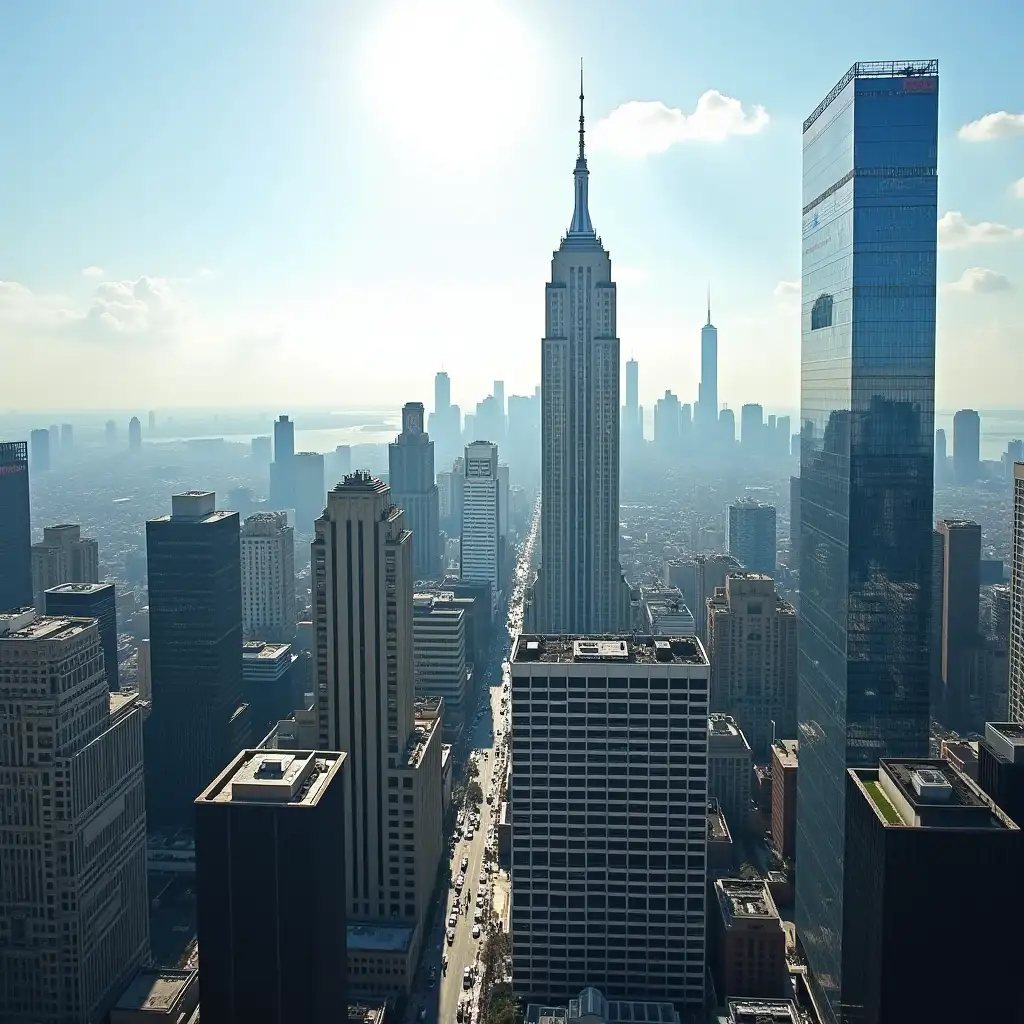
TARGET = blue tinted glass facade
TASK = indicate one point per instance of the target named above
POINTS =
(867, 411)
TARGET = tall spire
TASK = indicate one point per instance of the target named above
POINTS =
(582, 155)
(581, 224)
(709, 304)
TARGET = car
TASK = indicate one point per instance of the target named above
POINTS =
(490, 798)
(450, 937)
(483, 880)
(469, 836)
(467, 978)
(452, 921)
(478, 917)
(459, 1013)
(465, 863)
(476, 931)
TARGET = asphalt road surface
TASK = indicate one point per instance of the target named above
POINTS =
(437, 1001)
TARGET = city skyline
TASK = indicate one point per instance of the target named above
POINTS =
(196, 247)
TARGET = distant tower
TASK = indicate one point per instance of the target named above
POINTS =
(282, 469)
(480, 516)
(110, 434)
(15, 527)
(309, 489)
(90, 601)
(134, 435)
(63, 556)
(414, 490)
(39, 450)
(268, 577)
(67, 438)
(152, 421)
(632, 426)
(195, 623)
(752, 535)
(580, 588)
(707, 420)
(966, 446)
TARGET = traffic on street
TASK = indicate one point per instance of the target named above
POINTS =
(447, 985)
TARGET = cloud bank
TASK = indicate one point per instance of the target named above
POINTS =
(641, 128)
(992, 127)
(979, 281)
(956, 232)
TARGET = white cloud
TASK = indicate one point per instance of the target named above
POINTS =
(1018, 188)
(979, 281)
(139, 307)
(641, 127)
(1000, 125)
(787, 290)
(956, 232)
(93, 272)
(630, 275)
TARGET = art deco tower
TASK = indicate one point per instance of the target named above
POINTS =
(707, 404)
(580, 587)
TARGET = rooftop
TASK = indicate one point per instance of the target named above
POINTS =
(591, 1004)
(628, 649)
(786, 752)
(360, 480)
(292, 778)
(367, 1013)
(263, 650)
(378, 938)
(27, 624)
(80, 588)
(742, 898)
(928, 793)
(1006, 740)
(763, 1011)
(425, 723)
(158, 989)
(724, 730)
(121, 700)
(718, 830)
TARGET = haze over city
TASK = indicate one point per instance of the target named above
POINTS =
(315, 203)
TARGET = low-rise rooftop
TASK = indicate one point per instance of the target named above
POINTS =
(592, 1006)
(724, 731)
(294, 778)
(1006, 740)
(718, 830)
(745, 899)
(786, 752)
(79, 588)
(762, 1011)
(160, 991)
(27, 624)
(367, 1013)
(627, 649)
(378, 938)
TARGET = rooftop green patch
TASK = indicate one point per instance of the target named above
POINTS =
(884, 805)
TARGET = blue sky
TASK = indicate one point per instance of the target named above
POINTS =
(319, 202)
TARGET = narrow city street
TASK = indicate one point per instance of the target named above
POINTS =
(441, 984)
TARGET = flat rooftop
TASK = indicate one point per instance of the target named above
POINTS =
(763, 1011)
(748, 899)
(158, 990)
(266, 652)
(284, 778)
(424, 725)
(378, 938)
(724, 728)
(787, 752)
(367, 1013)
(718, 830)
(122, 699)
(1006, 740)
(27, 625)
(626, 649)
(80, 588)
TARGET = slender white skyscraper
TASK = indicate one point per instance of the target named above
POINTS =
(580, 587)
(707, 418)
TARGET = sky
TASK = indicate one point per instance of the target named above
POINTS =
(322, 202)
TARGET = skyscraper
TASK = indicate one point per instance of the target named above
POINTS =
(198, 722)
(90, 601)
(632, 415)
(580, 586)
(39, 450)
(309, 490)
(958, 629)
(268, 577)
(480, 516)
(110, 434)
(272, 822)
(1016, 684)
(282, 469)
(752, 535)
(615, 829)
(867, 412)
(63, 556)
(413, 489)
(752, 645)
(73, 901)
(940, 456)
(134, 435)
(15, 527)
(439, 625)
(966, 446)
(362, 618)
(442, 390)
(67, 438)
(752, 429)
(707, 401)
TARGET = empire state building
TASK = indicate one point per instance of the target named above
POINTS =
(580, 588)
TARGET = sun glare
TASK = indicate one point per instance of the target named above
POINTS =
(451, 81)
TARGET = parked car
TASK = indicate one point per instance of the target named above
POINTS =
(476, 931)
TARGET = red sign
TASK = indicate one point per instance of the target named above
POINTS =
(926, 84)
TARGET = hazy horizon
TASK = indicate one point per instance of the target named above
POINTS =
(323, 203)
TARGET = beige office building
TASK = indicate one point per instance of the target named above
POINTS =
(74, 924)
(62, 556)
(751, 635)
(439, 655)
(363, 638)
(268, 577)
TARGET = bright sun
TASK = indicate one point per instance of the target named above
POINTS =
(453, 81)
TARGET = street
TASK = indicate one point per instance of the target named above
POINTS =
(440, 991)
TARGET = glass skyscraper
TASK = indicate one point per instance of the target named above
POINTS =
(866, 461)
